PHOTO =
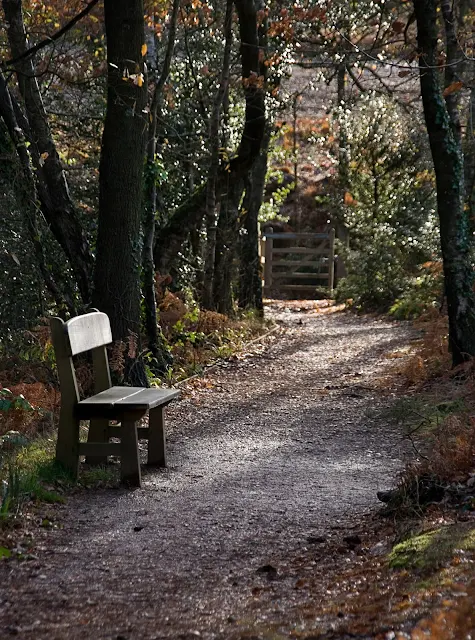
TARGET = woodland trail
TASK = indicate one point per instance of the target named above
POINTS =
(269, 456)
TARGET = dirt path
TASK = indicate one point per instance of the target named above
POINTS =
(279, 452)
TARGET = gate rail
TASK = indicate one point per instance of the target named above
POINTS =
(283, 264)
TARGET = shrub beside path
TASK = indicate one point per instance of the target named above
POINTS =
(271, 459)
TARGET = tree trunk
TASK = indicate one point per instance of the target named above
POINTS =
(26, 195)
(155, 342)
(117, 274)
(226, 246)
(171, 238)
(253, 77)
(449, 171)
(250, 279)
(214, 141)
(53, 192)
(469, 161)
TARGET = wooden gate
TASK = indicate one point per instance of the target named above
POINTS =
(298, 262)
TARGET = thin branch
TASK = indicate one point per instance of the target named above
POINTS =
(169, 52)
(201, 101)
(44, 43)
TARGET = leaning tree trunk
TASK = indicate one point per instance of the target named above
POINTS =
(25, 191)
(56, 203)
(117, 274)
(449, 171)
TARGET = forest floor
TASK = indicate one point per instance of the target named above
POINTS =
(264, 526)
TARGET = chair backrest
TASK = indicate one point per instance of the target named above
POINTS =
(86, 332)
(90, 332)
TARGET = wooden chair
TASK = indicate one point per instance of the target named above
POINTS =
(127, 405)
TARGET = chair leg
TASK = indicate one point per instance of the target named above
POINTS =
(129, 454)
(157, 454)
(98, 432)
(67, 447)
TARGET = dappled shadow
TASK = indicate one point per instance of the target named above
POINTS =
(252, 473)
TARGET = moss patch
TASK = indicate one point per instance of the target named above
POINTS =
(429, 551)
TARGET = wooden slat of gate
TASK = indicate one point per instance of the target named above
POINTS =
(289, 268)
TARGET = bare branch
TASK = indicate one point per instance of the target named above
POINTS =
(44, 43)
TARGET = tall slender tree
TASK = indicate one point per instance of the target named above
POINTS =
(443, 128)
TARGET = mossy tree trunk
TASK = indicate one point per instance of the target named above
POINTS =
(449, 171)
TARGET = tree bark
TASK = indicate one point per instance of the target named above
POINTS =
(117, 274)
(171, 238)
(155, 342)
(53, 191)
(469, 161)
(249, 148)
(213, 170)
(449, 171)
(250, 279)
(226, 248)
(26, 196)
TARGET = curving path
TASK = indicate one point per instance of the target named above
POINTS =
(277, 448)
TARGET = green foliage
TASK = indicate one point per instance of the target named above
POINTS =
(270, 208)
(9, 401)
(21, 473)
(197, 338)
(423, 293)
(389, 204)
(376, 275)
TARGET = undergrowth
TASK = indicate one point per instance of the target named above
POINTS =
(196, 337)
(30, 397)
(438, 418)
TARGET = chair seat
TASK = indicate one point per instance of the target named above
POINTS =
(119, 401)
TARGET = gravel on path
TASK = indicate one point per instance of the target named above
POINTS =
(269, 453)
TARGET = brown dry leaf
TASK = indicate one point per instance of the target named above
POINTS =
(349, 200)
(398, 26)
(452, 88)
